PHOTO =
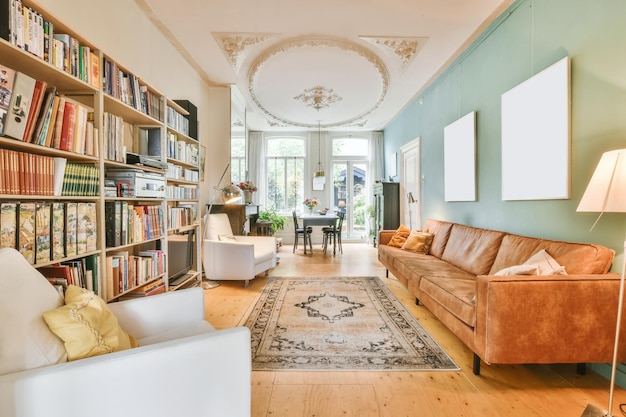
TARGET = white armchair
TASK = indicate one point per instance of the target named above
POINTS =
(183, 366)
(228, 257)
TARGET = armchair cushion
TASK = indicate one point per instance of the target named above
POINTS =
(87, 326)
(217, 225)
(25, 340)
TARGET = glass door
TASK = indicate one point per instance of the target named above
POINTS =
(350, 196)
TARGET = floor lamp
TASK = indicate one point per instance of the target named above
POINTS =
(606, 193)
(230, 194)
(411, 201)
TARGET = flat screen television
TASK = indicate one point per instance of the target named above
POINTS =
(180, 254)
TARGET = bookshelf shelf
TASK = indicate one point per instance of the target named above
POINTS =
(131, 245)
(18, 145)
(182, 229)
(182, 164)
(4, 197)
(114, 105)
(66, 259)
(22, 61)
(128, 113)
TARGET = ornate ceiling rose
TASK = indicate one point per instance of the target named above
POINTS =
(318, 97)
(314, 71)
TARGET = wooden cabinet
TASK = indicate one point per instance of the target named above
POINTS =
(242, 216)
(386, 207)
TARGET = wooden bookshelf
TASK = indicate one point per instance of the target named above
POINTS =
(86, 87)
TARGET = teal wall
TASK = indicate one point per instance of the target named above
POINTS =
(530, 36)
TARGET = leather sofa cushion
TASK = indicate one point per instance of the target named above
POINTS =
(577, 258)
(416, 266)
(441, 232)
(455, 294)
(473, 249)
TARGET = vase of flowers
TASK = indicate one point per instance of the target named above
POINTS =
(248, 188)
(310, 203)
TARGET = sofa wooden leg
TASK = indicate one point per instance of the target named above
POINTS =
(476, 367)
(386, 273)
(417, 301)
(581, 368)
(246, 283)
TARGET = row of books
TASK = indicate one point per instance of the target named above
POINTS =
(181, 173)
(127, 223)
(48, 231)
(31, 111)
(80, 180)
(177, 121)
(84, 273)
(125, 271)
(127, 88)
(181, 216)
(180, 192)
(25, 173)
(181, 150)
(27, 29)
(113, 137)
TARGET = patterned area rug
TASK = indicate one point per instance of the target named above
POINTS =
(352, 323)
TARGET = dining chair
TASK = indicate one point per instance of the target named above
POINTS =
(332, 234)
(301, 231)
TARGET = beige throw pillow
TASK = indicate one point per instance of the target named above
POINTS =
(518, 270)
(546, 264)
(418, 241)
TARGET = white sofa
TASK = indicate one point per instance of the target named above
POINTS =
(228, 257)
(182, 367)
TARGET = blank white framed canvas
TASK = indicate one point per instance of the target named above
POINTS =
(459, 152)
(536, 136)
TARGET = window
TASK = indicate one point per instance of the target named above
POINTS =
(350, 147)
(285, 173)
(238, 159)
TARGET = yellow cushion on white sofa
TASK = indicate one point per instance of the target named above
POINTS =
(86, 325)
(25, 340)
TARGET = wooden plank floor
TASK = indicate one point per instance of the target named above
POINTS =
(500, 390)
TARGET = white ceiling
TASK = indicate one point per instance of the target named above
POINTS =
(338, 64)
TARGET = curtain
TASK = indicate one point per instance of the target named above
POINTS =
(256, 161)
(376, 162)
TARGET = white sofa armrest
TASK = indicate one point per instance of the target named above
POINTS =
(228, 260)
(204, 375)
(149, 315)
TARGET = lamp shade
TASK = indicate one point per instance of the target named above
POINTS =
(606, 191)
(411, 199)
(231, 194)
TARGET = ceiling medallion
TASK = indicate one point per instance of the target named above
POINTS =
(318, 97)
(280, 54)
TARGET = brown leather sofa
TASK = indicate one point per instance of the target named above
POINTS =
(518, 319)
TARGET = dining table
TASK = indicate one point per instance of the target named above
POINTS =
(323, 220)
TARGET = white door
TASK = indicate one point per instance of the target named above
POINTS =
(350, 196)
(410, 183)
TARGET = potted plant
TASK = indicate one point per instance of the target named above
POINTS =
(271, 217)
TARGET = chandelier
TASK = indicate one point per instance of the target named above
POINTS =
(318, 97)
